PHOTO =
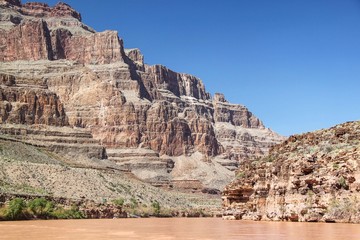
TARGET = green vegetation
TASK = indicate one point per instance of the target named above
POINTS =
(240, 175)
(310, 199)
(268, 158)
(328, 149)
(39, 208)
(135, 209)
(344, 209)
(15, 210)
(156, 208)
(342, 183)
(119, 202)
(133, 203)
(42, 208)
(73, 213)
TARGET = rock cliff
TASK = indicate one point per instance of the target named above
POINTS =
(156, 123)
(310, 177)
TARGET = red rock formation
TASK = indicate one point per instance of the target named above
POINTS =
(235, 114)
(26, 41)
(160, 77)
(99, 48)
(31, 40)
(136, 57)
(23, 105)
(62, 10)
(76, 76)
(37, 9)
(35, 37)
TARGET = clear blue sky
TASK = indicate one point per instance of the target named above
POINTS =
(294, 64)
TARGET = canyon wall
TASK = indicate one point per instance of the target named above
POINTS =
(156, 123)
(310, 177)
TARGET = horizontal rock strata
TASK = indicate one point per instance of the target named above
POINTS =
(310, 177)
(59, 72)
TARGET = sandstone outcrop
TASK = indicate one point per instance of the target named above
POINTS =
(21, 104)
(310, 177)
(57, 71)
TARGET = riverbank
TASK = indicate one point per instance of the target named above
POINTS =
(25, 207)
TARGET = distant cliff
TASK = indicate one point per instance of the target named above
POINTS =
(81, 94)
(310, 177)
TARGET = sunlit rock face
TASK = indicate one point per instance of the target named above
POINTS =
(310, 177)
(57, 71)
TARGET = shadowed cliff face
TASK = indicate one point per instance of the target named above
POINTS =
(309, 177)
(58, 71)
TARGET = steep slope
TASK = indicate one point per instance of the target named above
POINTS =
(148, 120)
(310, 177)
(32, 171)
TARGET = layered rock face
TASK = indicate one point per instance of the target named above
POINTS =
(57, 71)
(242, 135)
(22, 104)
(310, 177)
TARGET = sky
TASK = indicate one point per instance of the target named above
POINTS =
(294, 64)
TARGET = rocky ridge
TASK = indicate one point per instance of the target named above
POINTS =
(310, 177)
(149, 120)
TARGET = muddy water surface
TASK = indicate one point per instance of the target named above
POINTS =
(175, 228)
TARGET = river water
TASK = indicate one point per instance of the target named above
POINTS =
(175, 228)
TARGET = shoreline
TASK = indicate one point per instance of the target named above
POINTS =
(26, 207)
(241, 221)
(33, 208)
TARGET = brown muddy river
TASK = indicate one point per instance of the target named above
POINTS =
(175, 228)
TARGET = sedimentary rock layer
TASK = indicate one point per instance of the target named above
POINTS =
(57, 71)
(310, 177)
